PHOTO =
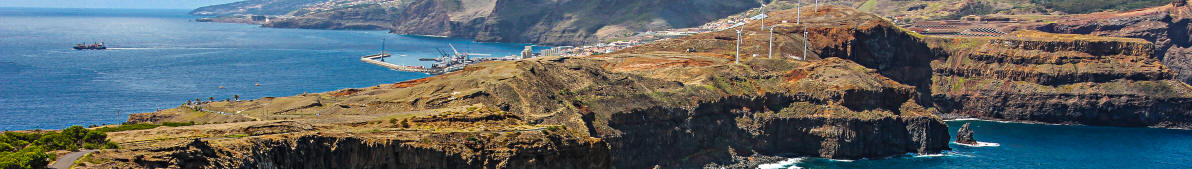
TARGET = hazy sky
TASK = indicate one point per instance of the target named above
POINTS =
(137, 4)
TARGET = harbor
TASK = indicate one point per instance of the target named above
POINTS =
(376, 60)
(445, 63)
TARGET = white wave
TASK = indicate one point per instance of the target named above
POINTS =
(965, 119)
(130, 48)
(980, 144)
(1009, 121)
(845, 161)
(787, 164)
(943, 154)
(929, 155)
(167, 48)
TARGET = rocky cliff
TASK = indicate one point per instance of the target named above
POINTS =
(677, 103)
(1167, 26)
(555, 22)
(1066, 79)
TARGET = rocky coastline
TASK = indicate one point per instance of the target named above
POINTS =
(867, 89)
(641, 108)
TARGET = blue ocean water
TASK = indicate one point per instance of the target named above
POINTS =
(1040, 146)
(158, 59)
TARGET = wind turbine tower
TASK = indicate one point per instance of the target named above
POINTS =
(738, 59)
(805, 43)
(763, 19)
(772, 41)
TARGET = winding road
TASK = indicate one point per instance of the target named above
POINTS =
(69, 159)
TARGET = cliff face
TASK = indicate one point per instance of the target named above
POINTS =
(1067, 79)
(1166, 26)
(564, 22)
(313, 151)
(655, 105)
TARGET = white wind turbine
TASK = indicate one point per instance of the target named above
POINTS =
(738, 59)
(772, 40)
(763, 19)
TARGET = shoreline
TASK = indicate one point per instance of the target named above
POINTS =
(1054, 124)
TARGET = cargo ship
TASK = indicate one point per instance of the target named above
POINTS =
(94, 46)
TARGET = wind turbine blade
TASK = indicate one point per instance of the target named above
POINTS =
(453, 48)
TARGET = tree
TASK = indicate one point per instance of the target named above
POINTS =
(29, 157)
(211, 98)
(236, 96)
(5, 147)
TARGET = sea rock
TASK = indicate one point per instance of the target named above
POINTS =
(965, 135)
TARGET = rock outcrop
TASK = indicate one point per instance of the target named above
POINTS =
(653, 105)
(965, 135)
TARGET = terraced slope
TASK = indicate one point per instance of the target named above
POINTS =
(1067, 79)
(1167, 26)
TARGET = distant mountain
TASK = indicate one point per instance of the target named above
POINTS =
(557, 22)
(255, 7)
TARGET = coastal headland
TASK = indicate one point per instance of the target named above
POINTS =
(839, 83)
(653, 105)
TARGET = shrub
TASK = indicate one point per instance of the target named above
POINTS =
(474, 139)
(29, 157)
(176, 124)
(127, 127)
(553, 128)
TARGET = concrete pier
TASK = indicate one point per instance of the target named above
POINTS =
(373, 60)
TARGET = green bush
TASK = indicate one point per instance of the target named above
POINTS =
(127, 127)
(29, 157)
(173, 124)
(32, 146)
(5, 147)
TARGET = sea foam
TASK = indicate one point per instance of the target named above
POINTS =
(784, 164)
(980, 144)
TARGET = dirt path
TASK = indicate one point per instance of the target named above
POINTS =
(67, 160)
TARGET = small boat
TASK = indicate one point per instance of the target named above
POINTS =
(94, 46)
